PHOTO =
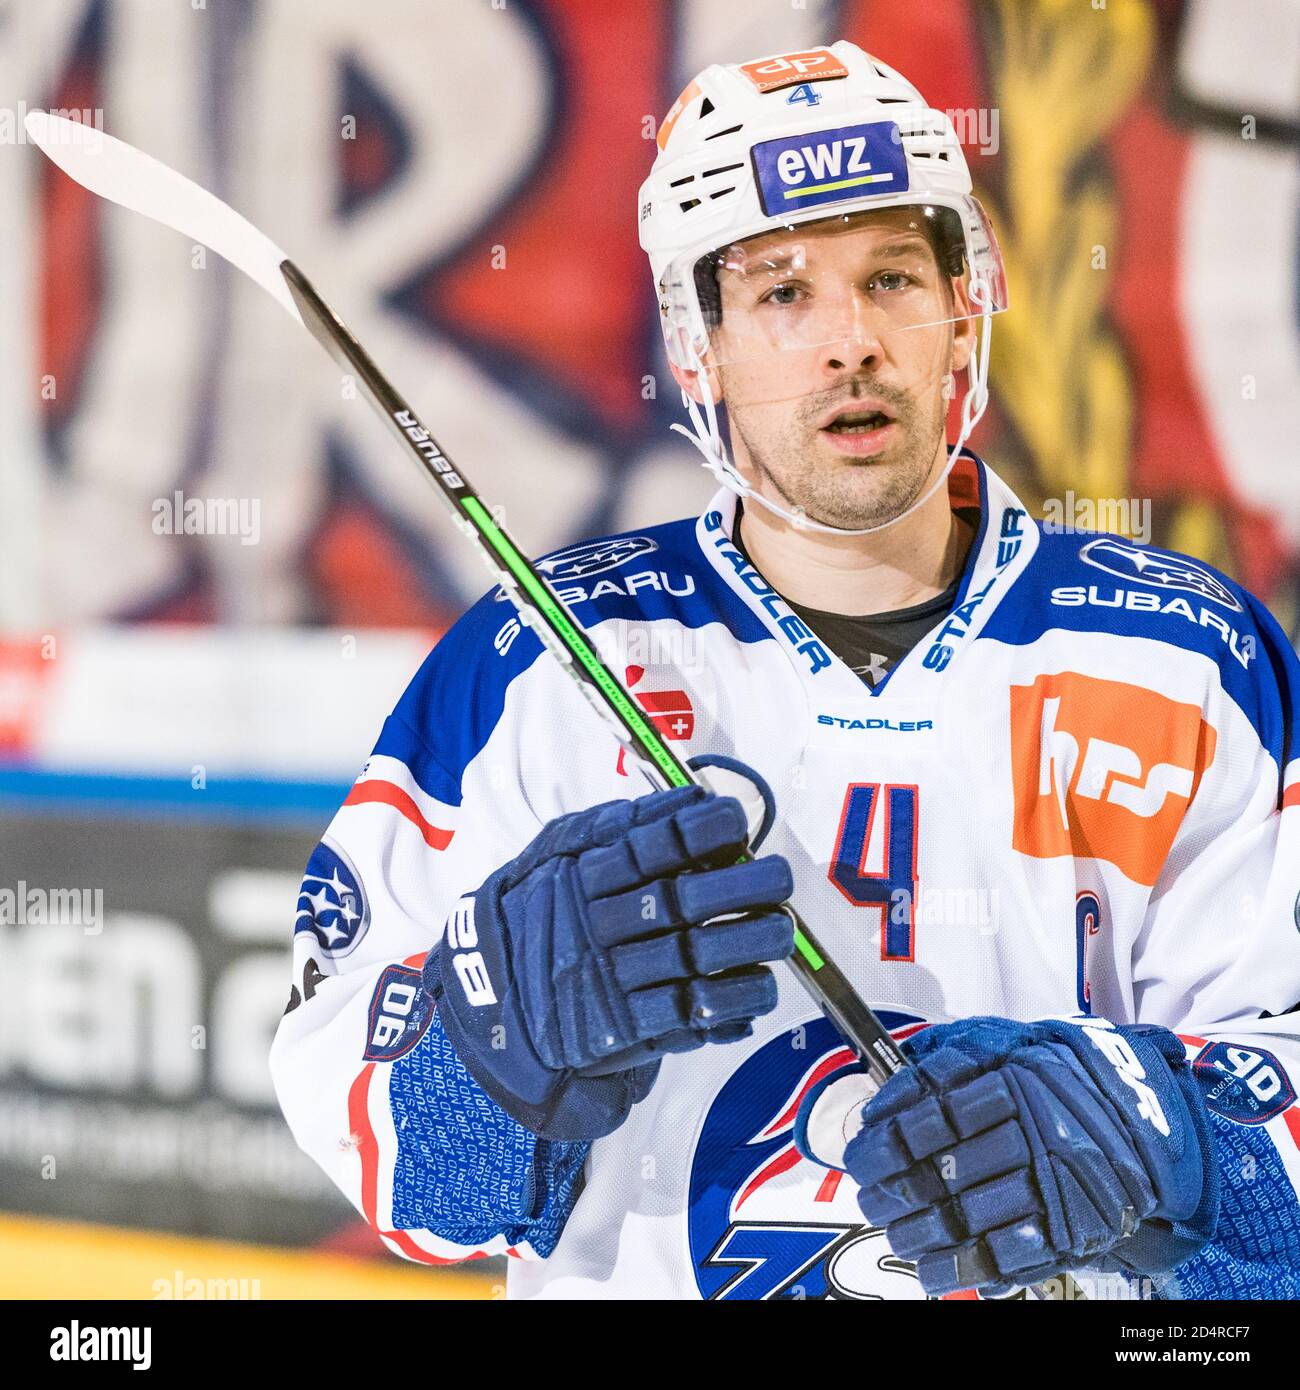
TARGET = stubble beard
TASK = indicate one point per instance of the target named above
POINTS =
(849, 493)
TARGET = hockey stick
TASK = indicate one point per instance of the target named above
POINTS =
(135, 180)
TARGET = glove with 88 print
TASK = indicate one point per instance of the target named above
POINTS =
(577, 967)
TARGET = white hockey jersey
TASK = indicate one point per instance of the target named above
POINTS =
(1080, 792)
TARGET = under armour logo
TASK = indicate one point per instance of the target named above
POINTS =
(874, 670)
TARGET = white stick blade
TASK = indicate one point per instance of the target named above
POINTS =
(135, 180)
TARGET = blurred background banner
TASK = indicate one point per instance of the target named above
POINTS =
(219, 572)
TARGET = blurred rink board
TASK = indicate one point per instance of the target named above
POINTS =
(160, 793)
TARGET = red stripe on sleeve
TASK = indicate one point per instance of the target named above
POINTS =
(386, 794)
(1292, 1118)
(1291, 796)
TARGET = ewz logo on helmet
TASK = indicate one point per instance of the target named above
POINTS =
(828, 166)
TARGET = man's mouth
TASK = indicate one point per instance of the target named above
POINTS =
(859, 433)
(858, 422)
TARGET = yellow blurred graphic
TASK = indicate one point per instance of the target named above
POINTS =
(67, 1259)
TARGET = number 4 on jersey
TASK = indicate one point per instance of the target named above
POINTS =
(892, 887)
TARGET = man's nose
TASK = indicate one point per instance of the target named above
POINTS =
(856, 343)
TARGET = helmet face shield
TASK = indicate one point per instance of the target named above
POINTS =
(786, 311)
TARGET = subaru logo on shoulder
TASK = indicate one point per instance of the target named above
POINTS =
(590, 557)
(594, 557)
(331, 902)
(1132, 562)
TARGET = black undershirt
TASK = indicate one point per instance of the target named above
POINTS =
(872, 645)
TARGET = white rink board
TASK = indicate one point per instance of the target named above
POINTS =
(267, 703)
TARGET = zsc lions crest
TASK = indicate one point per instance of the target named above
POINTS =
(1161, 571)
(765, 1222)
(331, 902)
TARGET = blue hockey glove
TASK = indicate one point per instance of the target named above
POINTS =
(564, 981)
(1011, 1152)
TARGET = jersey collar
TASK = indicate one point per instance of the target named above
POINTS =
(1003, 545)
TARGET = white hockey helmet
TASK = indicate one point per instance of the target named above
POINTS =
(789, 140)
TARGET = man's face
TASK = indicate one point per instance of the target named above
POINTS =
(835, 345)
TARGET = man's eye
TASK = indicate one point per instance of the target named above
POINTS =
(781, 295)
(889, 281)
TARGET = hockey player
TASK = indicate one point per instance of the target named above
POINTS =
(1038, 794)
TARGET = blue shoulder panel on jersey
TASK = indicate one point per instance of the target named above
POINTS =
(455, 699)
(465, 1170)
(1085, 582)
(451, 707)
(1279, 679)
(646, 575)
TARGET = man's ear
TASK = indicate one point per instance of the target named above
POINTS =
(964, 328)
(690, 383)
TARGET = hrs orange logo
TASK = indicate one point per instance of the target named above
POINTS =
(1103, 770)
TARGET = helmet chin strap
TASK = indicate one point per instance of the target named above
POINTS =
(704, 433)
